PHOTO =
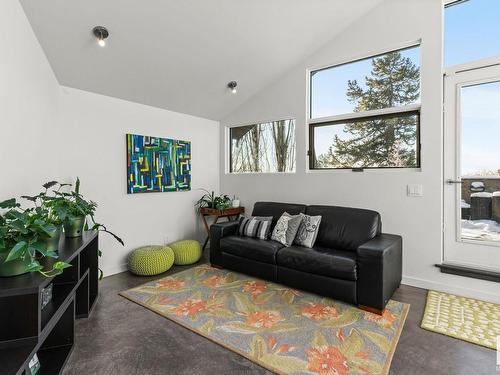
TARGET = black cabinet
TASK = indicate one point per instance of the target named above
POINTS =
(26, 328)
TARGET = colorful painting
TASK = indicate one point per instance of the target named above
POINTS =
(157, 164)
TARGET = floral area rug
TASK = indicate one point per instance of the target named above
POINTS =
(282, 329)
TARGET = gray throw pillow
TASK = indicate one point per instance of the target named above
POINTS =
(308, 230)
(286, 228)
(255, 227)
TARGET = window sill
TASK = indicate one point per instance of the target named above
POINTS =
(373, 170)
(474, 273)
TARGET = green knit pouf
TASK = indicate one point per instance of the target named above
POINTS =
(150, 260)
(186, 252)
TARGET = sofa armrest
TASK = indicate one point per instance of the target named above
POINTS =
(379, 266)
(217, 232)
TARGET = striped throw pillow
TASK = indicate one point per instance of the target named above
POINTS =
(255, 227)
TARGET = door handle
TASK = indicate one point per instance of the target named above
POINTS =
(451, 182)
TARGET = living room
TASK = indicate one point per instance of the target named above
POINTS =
(232, 187)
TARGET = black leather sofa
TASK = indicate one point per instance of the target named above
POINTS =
(352, 260)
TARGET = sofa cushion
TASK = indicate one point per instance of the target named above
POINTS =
(251, 248)
(286, 228)
(255, 227)
(344, 227)
(339, 264)
(308, 231)
(276, 209)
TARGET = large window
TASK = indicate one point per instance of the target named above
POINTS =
(472, 31)
(366, 113)
(263, 148)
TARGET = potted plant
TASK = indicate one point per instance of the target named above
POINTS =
(43, 207)
(210, 200)
(72, 209)
(22, 247)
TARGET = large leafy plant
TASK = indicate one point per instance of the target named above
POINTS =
(68, 205)
(21, 237)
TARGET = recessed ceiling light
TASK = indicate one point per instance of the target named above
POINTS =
(232, 86)
(101, 33)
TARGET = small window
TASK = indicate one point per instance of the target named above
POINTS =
(263, 148)
(472, 31)
(366, 114)
(379, 142)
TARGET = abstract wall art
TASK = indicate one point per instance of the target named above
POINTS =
(157, 164)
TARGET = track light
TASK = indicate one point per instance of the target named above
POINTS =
(232, 86)
(101, 33)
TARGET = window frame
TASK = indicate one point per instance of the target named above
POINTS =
(312, 127)
(228, 148)
(464, 66)
(365, 115)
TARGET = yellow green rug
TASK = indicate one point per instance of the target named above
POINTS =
(463, 318)
(284, 330)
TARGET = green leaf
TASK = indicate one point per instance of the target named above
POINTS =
(368, 366)
(243, 303)
(77, 186)
(345, 318)
(283, 327)
(258, 347)
(263, 298)
(9, 203)
(207, 327)
(42, 249)
(34, 266)
(18, 226)
(318, 340)
(61, 265)
(49, 184)
(381, 341)
(352, 344)
(61, 212)
(17, 251)
(286, 364)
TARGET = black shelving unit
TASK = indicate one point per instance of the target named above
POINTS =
(27, 329)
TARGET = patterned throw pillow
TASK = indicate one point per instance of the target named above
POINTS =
(255, 227)
(308, 230)
(286, 228)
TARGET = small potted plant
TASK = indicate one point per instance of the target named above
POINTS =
(43, 207)
(212, 201)
(22, 247)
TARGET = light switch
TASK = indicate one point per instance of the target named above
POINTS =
(415, 190)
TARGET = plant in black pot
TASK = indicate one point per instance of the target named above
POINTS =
(22, 241)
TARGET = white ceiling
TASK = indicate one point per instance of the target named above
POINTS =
(180, 54)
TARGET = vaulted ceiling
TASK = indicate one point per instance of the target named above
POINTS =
(180, 54)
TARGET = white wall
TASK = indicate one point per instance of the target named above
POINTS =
(29, 95)
(392, 24)
(93, 147)
(50, 132)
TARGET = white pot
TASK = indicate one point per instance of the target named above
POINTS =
(236, 203)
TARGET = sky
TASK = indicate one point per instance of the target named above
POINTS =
(472, 32)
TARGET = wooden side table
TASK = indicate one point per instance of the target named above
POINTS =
(229, 213)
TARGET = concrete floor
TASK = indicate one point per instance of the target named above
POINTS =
(124, 338)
